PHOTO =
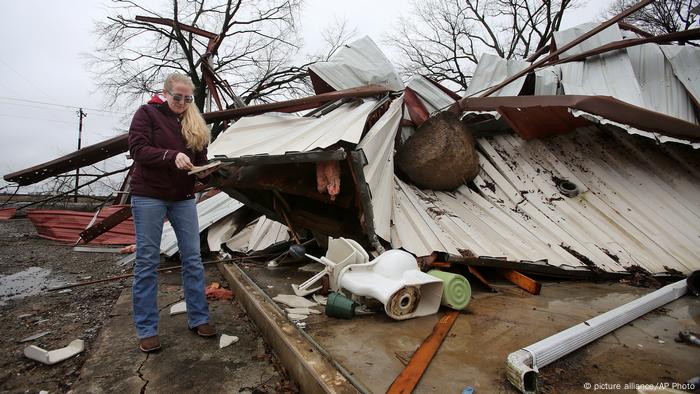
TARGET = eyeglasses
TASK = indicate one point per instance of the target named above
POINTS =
(179, 97)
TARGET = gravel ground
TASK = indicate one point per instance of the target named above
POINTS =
(29, 265)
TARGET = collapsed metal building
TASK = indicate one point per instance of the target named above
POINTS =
(587, 164)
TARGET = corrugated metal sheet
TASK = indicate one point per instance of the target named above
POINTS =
(66, 226)
(685, 61)
(258, 235)
(378, 148)
(638, 205)
(276, 134)
(209, 212)
(493, 70)
(639, 75)
(7, 213)
(356, 64)
(563, 37)
(661, 90)
(433, 98)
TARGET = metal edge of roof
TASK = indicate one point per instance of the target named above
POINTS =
(276, 135)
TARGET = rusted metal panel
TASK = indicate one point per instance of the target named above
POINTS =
(80, 158)
(7, 213)
(65, 226)
(416, 109)
(540, 107)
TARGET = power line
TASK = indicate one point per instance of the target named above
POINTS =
(34, 118)
(62, 105)
(62, 109)
(23, 77)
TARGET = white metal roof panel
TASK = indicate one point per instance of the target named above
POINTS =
(639, 205)
(661, 90)
(685, 61)
(563, 37)
(276, 134)
(209, 212)
(493, 70)
(433, 98)
(378, 148)
(357, 64)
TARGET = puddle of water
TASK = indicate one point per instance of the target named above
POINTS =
(29, 282)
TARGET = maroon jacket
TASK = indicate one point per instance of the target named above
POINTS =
(154, 141)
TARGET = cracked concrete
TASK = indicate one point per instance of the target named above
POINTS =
(138, 371)
(186, 362)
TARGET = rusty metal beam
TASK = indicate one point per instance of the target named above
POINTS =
(410, 376)
(522, 281)
(296, 104)
(627, 26)
(447, 91)
(559, 51)
(80, 158)
(105, 224)
(181, 26)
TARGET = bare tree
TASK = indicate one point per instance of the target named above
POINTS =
(659, 17)
(251, 46)
(444, 39)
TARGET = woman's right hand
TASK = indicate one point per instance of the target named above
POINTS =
(182, 161)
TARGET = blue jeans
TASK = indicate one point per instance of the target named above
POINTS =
(148, 219)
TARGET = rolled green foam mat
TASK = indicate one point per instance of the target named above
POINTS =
(456, 290)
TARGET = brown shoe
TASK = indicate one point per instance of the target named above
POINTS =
(150, 344)
(205, 330)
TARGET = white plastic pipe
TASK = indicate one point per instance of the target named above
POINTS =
(523, 365)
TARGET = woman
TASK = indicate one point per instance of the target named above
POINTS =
(165, 140)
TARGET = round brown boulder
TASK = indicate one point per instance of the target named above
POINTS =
(441, 155)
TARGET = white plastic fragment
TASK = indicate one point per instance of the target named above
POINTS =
(293, 316)
(226, 340)
(180, 307)
(303, 311)
(52, 357)
(294, 301)
(35, 336)
(320, 299)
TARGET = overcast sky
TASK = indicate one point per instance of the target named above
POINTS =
(43, 77)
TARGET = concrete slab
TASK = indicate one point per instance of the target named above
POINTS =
(186, 363)
(375, 348)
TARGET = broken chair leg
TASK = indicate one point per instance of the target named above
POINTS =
(524, 282)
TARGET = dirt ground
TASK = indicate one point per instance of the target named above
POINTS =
(29, 265)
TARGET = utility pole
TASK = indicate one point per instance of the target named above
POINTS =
(81, 114)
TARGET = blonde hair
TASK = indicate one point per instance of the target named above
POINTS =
(194, 129)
